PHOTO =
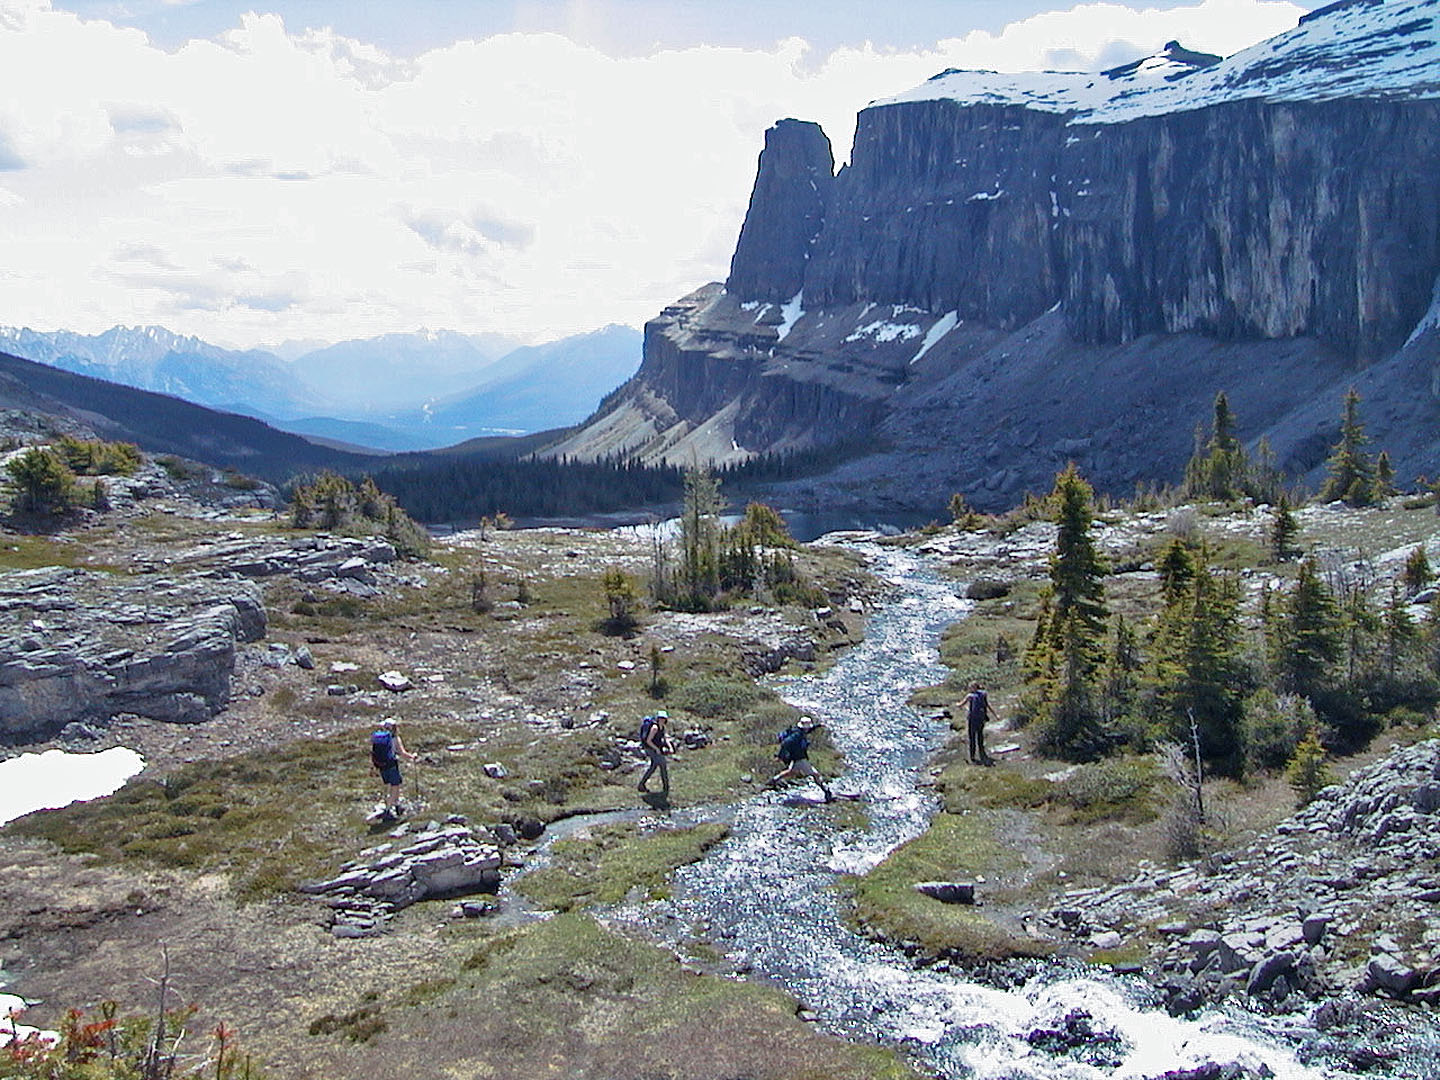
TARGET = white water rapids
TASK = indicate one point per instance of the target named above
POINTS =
(766, 896)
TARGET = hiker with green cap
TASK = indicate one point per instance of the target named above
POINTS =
(652, 741)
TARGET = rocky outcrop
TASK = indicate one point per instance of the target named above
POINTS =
(787, 210)
(1295, 913)
(440, 861)
(344, 564)
(79, 645)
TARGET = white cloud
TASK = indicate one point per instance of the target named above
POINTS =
(266, 185)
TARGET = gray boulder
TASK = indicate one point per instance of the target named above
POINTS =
(947, 892)
(1388, 973)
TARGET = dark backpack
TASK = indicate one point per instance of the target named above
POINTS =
(979, 705)
(645, 727)
(382, 748)
(793, 745)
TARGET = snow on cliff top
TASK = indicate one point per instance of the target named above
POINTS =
(1354, 48)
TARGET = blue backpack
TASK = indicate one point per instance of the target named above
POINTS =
(382, 748)
(793, 745)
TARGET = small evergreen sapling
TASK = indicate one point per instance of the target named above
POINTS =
(1307, 773)
(1283, 530)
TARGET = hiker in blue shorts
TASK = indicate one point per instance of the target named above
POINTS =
(386, 750)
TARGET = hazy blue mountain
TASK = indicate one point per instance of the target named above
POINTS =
(397, 392)
(152, 358)
(165, 424)
(533, 388)
(395, 372)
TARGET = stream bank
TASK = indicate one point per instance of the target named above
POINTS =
(768, 900)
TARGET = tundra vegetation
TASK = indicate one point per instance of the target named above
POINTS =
(538, 651)
(1165, 700)
(509, 640)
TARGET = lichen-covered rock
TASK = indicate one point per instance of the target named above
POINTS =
(78, 645)
(441, 862)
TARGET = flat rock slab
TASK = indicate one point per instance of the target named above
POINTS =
(80, 645)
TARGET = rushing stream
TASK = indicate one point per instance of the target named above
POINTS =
(766, 896)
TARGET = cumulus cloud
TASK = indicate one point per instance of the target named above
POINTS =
(269, 184)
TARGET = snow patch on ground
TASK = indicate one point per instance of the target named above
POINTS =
(884, 330)
(11, 1007)
(55, 778)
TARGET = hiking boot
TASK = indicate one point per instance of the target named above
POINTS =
(642, 789)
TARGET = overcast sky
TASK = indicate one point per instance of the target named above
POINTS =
(329, 169)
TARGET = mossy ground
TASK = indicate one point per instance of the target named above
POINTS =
(615, 862)
(1068, 826)
(204, 849)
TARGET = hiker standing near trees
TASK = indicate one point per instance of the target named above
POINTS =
(977, 711)
(386, 750)
(652, 741)
(794, 752)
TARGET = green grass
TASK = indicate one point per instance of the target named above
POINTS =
(606, 866)
(25, 552)
(566, 997)
(1129, 790)
(239, 815)
(956, 847)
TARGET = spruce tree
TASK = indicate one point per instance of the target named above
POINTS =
(1076, 626)
(1307, 772)
(1177, 570)
(1384, 476)
(1417, 573)
(1195, 670)
(699, 571)
(44, 484)
(1221, 470)
(1283, 530)
(1400, 635)
(1076, 569)
(1309, 636)
(1350, 472)
(1119, 683)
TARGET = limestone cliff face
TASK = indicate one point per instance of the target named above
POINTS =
(1248, 220)
(1016, 246)
(1255, 220)
(787, 210)
(946, 208)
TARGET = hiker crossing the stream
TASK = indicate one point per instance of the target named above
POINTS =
(794, 750)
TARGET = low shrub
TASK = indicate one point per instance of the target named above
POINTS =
(714, 696)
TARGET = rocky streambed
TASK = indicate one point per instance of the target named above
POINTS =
(1265, 1000)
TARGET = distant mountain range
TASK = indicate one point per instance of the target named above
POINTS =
(163, 424)
(395, 392)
